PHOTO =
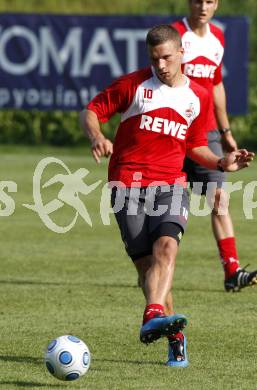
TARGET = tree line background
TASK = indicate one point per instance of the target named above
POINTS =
(61, 128)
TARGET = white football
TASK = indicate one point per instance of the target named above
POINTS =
(67, 358)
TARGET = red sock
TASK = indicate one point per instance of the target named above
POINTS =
(178, 335)
(151, 311)
(228, 255)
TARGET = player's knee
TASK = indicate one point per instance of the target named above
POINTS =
(220, 203)
(164, 250)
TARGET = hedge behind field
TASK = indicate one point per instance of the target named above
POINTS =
(54, 128)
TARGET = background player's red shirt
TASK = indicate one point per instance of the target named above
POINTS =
(158, 124)
(202, 60)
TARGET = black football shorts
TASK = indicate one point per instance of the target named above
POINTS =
(147, 213)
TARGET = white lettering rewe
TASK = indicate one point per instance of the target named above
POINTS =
(200, 70)
(164, 126)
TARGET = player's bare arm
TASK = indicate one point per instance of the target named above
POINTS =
(219, 96)
(101, 146)
(233, 161)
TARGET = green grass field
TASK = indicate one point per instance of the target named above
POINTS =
(82, 283)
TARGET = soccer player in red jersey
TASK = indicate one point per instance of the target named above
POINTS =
(203, 44)
(163, 117)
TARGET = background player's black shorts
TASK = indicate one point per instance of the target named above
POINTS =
(149, 213)
(198, 174)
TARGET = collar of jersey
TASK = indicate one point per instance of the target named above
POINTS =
(160, 84)
(185, 21)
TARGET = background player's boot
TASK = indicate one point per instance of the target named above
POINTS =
(240, 279)
(161, 326)
(177, 353)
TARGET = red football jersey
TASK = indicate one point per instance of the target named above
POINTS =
(158, 124)
(202, 60)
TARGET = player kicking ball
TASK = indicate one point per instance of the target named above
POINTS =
(163, 117)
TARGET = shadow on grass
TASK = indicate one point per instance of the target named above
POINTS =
(199, 289)
(21, 359)
(104, 285)
(185, 289)
(34, 282)
(22, 384)
(136, 362)
(114, 285)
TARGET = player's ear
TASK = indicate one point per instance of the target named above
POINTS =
(182, 50)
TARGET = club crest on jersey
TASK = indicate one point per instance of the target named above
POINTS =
(190, 112)
(217, 56)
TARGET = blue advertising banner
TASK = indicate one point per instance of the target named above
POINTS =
(61, 61)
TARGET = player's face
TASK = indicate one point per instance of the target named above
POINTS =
(201, 11)
(166, 59)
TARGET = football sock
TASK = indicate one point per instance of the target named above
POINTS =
(228, 256)
(176, 336)
(151, 311)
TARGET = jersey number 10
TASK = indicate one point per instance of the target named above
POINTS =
(148, 93)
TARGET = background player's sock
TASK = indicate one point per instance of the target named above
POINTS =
(151, 311)
(228, 256)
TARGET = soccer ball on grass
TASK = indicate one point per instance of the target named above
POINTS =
(67, 358)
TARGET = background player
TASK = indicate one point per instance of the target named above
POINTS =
(203, 43)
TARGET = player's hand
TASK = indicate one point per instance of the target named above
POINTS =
(101, 147)
(228, 142)
(239, 159)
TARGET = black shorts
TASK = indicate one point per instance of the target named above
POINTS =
(198, 176)
(145, 214)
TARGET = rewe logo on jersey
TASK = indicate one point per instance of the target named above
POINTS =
(164, 126)
(200, 70)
